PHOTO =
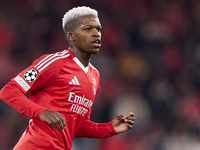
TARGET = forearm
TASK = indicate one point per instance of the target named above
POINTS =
(90, 129)
(15, 98)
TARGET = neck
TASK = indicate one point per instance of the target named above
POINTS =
(83, 57)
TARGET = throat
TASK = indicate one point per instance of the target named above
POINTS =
(84, 62)
(82, 56)
(85, 68)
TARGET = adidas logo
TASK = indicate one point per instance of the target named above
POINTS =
(74, 81)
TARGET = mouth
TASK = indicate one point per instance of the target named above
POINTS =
(97, 43)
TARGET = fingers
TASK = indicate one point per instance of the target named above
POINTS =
(56, 120)
(130, 116)
(61, 122)
(53, 123)
(129, 119)
(53, 118)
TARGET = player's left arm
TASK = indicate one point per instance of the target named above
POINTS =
(91, 129)
(103, 130)
(119, 124)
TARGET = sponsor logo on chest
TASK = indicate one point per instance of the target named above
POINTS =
(81, 104)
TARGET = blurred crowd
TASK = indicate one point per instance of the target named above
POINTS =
(148, 64)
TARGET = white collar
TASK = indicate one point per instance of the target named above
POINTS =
(85, 69)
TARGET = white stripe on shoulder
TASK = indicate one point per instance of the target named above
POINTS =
(53, 61)
(50, 59)
(43, 60)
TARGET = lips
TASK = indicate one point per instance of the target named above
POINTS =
(97, 43)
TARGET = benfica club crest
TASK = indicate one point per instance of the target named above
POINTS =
(94, 86)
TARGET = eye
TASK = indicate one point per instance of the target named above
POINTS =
(88, 29)
(99, 29)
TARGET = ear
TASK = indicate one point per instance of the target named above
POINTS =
(70, 36)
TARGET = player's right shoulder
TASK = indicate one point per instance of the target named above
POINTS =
(51, 60)
(43, 72)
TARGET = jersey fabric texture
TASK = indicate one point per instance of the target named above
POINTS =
(57, 82)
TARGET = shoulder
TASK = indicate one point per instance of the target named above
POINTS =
(51, 60)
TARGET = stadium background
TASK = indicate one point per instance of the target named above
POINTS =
(149, 64)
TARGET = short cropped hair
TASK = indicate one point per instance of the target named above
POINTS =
(73, 14)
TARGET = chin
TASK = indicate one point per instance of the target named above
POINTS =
(95, 51)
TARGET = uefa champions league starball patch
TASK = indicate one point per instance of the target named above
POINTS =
(30, 75)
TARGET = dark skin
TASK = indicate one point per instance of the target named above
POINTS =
(84, 41)
(81, 40)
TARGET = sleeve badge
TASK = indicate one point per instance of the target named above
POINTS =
(30, 75)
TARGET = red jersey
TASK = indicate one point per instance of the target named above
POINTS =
(59, 82)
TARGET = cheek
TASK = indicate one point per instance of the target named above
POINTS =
(81, 43)
(83, 40)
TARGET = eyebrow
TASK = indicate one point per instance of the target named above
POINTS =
(99, 26)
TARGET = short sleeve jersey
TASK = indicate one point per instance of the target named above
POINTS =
(59, 82)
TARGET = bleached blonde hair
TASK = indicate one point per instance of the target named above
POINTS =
(73, 14)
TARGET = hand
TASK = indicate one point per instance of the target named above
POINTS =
(123, 123)
(53, 118)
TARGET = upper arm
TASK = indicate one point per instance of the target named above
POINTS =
(42, 73)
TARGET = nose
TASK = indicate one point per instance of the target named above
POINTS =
(96, 33)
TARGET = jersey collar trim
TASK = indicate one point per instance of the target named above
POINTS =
(85, 69)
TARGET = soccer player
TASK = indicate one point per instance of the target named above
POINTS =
(62, 89)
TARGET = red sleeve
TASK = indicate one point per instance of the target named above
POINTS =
(15, 98)
(90, 129)
(42, 73)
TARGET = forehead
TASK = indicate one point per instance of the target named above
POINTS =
(88, 20)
